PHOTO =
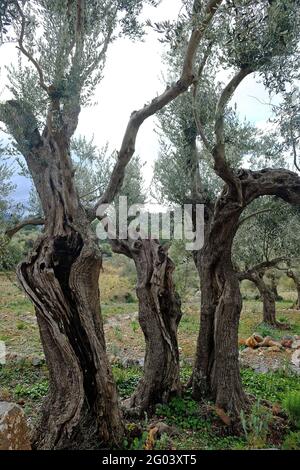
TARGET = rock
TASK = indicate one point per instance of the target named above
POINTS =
(286, 343)
(37, 361)
(261, 369)
(296, 344)
(14, 433)
(257, 337)
(251, 342)
(295, 360)
(163, 428)
(274, 349)
(132, 362)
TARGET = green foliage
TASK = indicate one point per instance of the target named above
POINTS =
(183, 412)
(135, 326)
(273, 386)
(35, 391)
(126, 379)
(291, 403)
(292, 441)
(256, 425)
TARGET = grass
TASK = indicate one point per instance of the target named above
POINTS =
(27, 384)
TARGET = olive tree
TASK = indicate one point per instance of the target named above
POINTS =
(262, 38)
(65, 43)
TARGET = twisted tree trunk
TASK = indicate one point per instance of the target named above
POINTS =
(159, 317)
(290, 273)
(216, 370)
(274, 287)
(266, 294)
(61, 278)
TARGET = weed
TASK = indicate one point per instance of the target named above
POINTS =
(256, 425)
(292, 405)
(35, 391)
(292, 441)
(134, 325)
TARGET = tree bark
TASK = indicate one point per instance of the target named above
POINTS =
(159, 317)
(267, 297)
(274, 287)
(216, 370)
(296, 280)
(61, 278)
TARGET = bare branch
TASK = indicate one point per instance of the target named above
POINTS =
(27, 53)
(221, 166)
(254, 214)
(12, 231)
(260, 268)
(195, 111)
(294, 148)
(138, 117)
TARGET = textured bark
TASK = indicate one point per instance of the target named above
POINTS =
(159, 316)
(216, 371)
(296, 280)
(274, 287)
(267, 296)
(61, 278)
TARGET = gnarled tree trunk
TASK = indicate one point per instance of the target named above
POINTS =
(290, 273)
(61, 278)
(274, 287)
(216, 370)
(159, 316)
(266, 294)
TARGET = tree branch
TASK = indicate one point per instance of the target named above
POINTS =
(221, 166)
(254, 214)
(195, 112)
(26, 53)
(12, 231)
(138, 117)
(260, 268)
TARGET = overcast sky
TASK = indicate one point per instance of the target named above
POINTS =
(133, 76)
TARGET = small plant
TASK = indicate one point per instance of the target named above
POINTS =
(134, 325)
(35, 391)
(256, 425)
(183, 412)
(163, 443)
(265, 330)
(292, 405)
(292, 441)
(21, 325)
(118, 333)
(126, 379)
(129, 298)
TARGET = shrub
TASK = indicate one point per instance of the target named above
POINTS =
(292, 441)
(292, 405)
(256, 425)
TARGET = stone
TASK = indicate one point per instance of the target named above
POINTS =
(295, 360)
(296, 344)
(37, 361)
(287, 343)
(274, 349)
(127, 362)
(163, 428)
(14, 433)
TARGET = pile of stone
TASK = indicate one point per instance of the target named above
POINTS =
(266, 354)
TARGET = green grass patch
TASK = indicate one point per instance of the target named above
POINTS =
(272, 386)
